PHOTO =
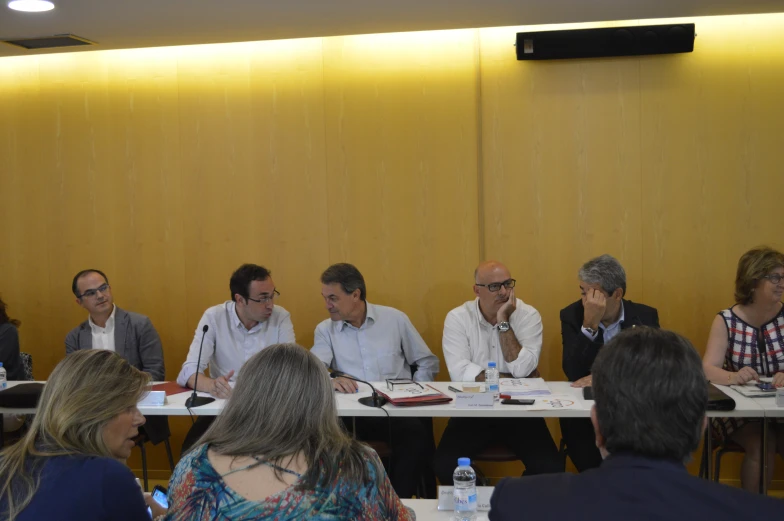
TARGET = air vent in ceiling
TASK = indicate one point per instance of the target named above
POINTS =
(49, 42)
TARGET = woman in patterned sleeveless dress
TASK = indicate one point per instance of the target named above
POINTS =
(734, 354)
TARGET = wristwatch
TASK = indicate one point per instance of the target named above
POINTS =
(591, 330)
(504, 326)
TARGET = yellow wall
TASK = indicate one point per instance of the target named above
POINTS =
(410, 155)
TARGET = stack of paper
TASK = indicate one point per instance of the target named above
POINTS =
(407, 391)
(524, 387)
(751, 389)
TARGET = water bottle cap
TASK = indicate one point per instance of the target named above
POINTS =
(490, 364)
(463, 462)
(1, 364)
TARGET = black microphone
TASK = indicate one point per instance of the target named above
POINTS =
(194, 400)
(374, 400)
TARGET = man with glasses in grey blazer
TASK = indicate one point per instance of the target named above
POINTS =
(130, 335)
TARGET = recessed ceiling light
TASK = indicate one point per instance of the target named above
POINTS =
(31, 6)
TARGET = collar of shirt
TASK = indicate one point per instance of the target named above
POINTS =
(109, 323)
(615, 324)
(480, 317)
(235, 318)
(370, 315)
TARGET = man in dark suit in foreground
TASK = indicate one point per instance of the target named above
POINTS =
(649, 416)
(586, 325)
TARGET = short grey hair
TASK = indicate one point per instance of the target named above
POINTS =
(605, 271)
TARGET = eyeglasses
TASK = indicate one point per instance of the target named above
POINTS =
(775, 278)
(495, 286)
(267, 299)
(91, 293)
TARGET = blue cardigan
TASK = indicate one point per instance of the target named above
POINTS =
(85, 488)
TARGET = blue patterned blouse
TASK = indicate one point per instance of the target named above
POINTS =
(198, 493)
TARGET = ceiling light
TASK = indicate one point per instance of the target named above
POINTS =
(31, 6)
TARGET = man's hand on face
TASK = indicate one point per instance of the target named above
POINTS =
(344, 385)
(594, 307)
(507, 308)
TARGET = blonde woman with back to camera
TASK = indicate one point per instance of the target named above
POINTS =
(278, 451)
(70, 464)
(734, 356)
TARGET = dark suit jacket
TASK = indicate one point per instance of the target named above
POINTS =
(627, 487)
(137, 341)
(579, 351)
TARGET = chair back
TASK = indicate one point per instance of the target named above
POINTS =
(27, 364)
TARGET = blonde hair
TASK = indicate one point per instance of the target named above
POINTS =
(283, 404)
(84, 392)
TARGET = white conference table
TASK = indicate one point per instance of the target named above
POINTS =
(348, 405)
(427, 510)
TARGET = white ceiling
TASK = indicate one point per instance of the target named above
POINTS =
(118, 24)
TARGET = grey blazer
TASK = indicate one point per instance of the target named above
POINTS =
(135, 339)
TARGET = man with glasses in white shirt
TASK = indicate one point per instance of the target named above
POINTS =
(494, 327)
(130, 335)
(238, 329)
(374, 343)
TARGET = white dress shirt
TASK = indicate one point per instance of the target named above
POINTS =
(609, 331)
(228, 344)
(470, 342)
(384, 346)
(103, 337)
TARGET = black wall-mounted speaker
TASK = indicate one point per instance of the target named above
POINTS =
(612, 41)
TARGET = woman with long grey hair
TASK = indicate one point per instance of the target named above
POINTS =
(278, 451)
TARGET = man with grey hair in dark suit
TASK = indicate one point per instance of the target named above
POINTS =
(586, 326)
(130, 335)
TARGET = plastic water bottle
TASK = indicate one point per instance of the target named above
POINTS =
(464, 491)
(491, 379)
(3, 379)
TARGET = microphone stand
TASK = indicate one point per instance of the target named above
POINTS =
(374, 400)
(195, 400)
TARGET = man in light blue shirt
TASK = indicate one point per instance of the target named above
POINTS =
(237, 329)
(373, 343)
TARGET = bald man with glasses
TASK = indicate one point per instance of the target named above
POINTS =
(494, 327)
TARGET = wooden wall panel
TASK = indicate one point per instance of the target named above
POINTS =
(401, 133)
(561, 174)
(712, 130)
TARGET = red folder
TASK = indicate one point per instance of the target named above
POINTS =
(170, 388)
(430, 399)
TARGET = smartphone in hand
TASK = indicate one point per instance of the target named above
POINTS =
(159, 494)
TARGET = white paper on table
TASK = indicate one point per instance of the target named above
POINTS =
(407, 391)
(524, 387)
(556, 402)
(751, 390)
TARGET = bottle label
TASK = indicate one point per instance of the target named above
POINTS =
(465, 499)
(493, 388)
